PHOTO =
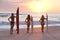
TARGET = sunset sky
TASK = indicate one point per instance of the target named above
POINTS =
(30, 5)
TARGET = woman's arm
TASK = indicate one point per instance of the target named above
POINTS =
(39, 20)
(9, 19)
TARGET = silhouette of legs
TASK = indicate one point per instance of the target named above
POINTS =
(28, 28)
(11, 29)
(42, 28)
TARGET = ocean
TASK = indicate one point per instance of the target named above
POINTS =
(53, 20)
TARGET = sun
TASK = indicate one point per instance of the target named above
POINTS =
(35, 6)
(39, 6)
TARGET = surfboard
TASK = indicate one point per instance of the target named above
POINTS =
(47, 23)
(31, 24)
(17, 20)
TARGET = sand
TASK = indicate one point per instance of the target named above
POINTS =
(52, 34)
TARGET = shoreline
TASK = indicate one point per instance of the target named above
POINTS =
(26, 28)
(52, 34)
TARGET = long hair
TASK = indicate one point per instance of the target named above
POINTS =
(42, 17)
(28, 17)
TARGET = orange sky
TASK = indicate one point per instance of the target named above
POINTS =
(30, 5)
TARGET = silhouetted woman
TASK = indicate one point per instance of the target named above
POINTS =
(28, 20)
(42, 22)
(11, 20)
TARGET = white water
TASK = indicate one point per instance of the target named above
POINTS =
(54, 20)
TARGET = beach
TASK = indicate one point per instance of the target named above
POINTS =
(18, 15)
(52, 34)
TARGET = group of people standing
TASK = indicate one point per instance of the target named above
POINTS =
(28, 20)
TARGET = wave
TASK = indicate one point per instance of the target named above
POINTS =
(8, 14)
(34, 22)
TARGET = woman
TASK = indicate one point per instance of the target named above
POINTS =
(42, 22)
(11, 20)
(28, 20)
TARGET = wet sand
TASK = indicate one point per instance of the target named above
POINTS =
(52, 34)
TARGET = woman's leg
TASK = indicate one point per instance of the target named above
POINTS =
(11, 29)
(42, 28)
(28, 28)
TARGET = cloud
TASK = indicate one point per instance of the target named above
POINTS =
(20, 0)
(11, 5)
(5, 5)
